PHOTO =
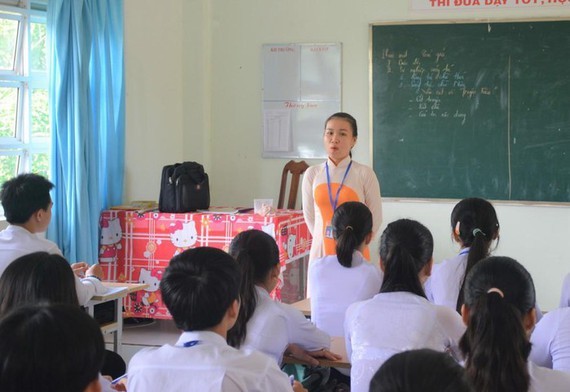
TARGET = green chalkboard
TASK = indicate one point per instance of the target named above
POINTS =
(474, 109)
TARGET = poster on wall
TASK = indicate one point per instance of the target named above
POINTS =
(434, 5)
(301, 87)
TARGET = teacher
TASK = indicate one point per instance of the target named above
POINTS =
(337, 180)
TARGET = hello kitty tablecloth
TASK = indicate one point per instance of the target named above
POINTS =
(137, 247)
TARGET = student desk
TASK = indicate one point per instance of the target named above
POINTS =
(116, 292)
(337, 346)
(137, 247)
(304, 306)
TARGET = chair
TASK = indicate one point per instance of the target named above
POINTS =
(296, 169)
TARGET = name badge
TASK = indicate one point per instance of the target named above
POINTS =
(329, 232)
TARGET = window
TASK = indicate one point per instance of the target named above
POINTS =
(25, 134)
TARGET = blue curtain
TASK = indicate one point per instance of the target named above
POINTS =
(87, 104)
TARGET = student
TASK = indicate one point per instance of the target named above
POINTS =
(565, 295)
(50, 348)
(421, 370)
(200, 288)
(499, 313)
(399, 317)
(41, 278)
(272, 327)
(475, 226)
(551, 341)
(342, 279)
(27, 207)
(337, 180)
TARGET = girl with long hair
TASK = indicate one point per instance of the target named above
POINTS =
(400, 317)
(500, 314)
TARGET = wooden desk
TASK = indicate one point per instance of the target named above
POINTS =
(304, 306)
(116, 292)
(337, 346)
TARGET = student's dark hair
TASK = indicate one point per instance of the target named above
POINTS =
(406, 246)
(352, 222)
(53, 348)
(495, 343)
(478, 227)
(199, 286)
(37, 278)
(256, 252)
(347, 117)
(23, 195)
(421, 370)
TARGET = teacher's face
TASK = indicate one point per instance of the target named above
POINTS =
(338, 139)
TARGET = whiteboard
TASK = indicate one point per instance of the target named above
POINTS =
(301, 87)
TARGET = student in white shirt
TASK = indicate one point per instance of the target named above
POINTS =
(27, 207)
(565, 295)
(271, 327)
(475, 227)
(400, 317)
(43, 278)
(422, 370)
(50, 348)
(499, 313)
(347, 277)
(551, 341)
(200, 288)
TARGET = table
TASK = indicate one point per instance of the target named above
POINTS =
(337, 346)
(304, 306)
(116, 292)
(136, 248)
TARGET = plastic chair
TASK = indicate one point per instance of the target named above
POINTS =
(296, 169)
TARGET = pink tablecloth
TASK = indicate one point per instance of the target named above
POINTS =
(137, 247)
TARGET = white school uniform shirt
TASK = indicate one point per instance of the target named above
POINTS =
(335, 288)
(274, 325)
(211, 365)
(565, 296)
(16, 241)
(547, 380)
(393, 322)
(551, 341)
(442, 287)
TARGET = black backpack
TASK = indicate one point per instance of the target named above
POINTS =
(184, 187)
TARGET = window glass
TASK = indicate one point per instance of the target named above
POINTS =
(40, 114)
(40, 164)
(8, 111)
(8, 39)
(38, 47)
(8, 167)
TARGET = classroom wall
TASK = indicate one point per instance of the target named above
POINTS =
(193, 93)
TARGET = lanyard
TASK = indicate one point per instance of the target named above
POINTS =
(464, 251)
(335, 201)
(191, 343)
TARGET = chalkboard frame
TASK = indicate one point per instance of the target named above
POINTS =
(375, 131)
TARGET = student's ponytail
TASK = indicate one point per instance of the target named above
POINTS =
(406, 246)
(352, 222)
(248, 300)
(498, 294)
(257, 253)
(475, 223)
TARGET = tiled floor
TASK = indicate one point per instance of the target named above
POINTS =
(152, 335)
